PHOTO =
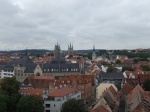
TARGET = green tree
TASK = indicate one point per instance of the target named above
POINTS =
(9, 88)
(146, 85)
(135, 61)
(31, 103)
(117, 61)
(129, 68)
(110, 69)
(145, 68)
(73, 105)
(4, 99)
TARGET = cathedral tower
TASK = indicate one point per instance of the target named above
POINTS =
(70, 49)
(93, 54)
(57, 50)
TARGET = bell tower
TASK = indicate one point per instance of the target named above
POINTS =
(93, 54)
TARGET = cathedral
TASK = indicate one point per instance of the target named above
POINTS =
(70, 50)
(57, 50)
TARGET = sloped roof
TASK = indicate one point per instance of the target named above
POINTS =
(39, 81)
(61, 91)
(30, 68)
(113, 75)
(32, 91)
(142, 78)
(127, 89)
(21, 62)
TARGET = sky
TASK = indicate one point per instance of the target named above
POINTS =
(107, 24)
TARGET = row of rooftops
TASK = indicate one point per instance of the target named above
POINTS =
(56, 63)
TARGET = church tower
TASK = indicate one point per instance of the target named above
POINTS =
(93, 54)
(70, 49)
(57, 50)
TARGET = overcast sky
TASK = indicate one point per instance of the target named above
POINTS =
(107, 24)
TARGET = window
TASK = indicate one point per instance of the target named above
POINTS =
(54, 105)
(78, 96)
(47, 111)
(47, 105)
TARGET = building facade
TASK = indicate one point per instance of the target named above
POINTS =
(57, 97)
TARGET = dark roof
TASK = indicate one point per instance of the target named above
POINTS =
(30, 68)
(58, 60)
(2, 64)
(61, 65)
(8, 68)
(113, 75)
(21, 62)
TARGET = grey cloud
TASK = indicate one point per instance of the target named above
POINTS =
(109, 24)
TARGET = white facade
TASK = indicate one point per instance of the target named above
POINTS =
(54, 104)
(8, 73)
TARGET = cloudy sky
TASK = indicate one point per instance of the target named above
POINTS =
(107, 24)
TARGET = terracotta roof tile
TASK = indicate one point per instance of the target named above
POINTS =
(127, 89)
(62, 91)
(32, 91)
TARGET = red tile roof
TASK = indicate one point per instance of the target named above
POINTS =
(62, 91)
(142, 78)
(100, 108)
(32, 91)
(39, 81)
(127, 89)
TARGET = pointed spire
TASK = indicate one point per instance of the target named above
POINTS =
(70, 44)
(93, 48)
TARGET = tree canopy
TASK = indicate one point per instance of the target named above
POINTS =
(31, 103)
(145, 68)
(10, 86)
(117, 61)
(129, 68)
(146, 85)
(110, 69)
(73, 105)
(9, 94)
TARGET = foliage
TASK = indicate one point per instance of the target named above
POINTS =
(129, 68)
(31, 103)
(73, 105)
(110, 69)
(145, 68)
(10, 86)
(135, 61)
(146, 85)
(4, 99)
(9, 92)
(117, 61)
(143, 55)
(89, 55)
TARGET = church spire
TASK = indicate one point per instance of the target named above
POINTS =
(93, 48)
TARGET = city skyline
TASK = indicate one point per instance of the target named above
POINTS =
(40, 24)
